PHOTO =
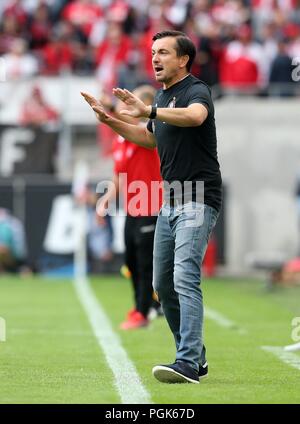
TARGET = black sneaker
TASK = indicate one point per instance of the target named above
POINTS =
(179, 372)
(203, 371)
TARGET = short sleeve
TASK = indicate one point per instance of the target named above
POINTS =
(199, 93)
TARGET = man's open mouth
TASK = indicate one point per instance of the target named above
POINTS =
(158, 69)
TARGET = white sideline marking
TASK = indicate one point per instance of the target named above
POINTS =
(289, 358)
(292, 348)
(221, 320)
(2, 330)
(127, 381)
(49, 332)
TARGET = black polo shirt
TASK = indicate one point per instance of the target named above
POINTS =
(189, 153)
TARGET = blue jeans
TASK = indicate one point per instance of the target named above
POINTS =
(180, 242)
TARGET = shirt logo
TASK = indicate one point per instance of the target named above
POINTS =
(172, 103)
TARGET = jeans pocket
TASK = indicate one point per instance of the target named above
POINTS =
(195, 219)
(191, 215)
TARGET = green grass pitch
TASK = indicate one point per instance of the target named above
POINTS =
(51, 355)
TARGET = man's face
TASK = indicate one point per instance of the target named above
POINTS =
(166, 64)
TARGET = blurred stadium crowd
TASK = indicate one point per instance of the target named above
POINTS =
(243, 45)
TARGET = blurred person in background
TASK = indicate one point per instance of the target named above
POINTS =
(139, 164)
(109, 56)
(12, 243)
(132, 73)
(16, 8)
(83, 14)
(82, 62)
(270, 11)
(57, 54)
(294, 15)
(40, 27)
(10, 31)
(36, 111)
(292, 33)
(230, 12)
(281, 72)
(44, 122)
(208, 58)
(117, 12)
(241, 67)
(19, 62)
(99, 232)
(269, 44)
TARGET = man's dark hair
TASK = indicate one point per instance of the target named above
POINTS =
(184, 46)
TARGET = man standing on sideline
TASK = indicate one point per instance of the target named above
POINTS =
(182, 125)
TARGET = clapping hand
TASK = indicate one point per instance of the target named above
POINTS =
(137, 109)
(97, 106)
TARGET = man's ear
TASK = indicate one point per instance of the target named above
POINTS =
(184, 60)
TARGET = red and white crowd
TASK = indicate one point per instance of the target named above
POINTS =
(241, 44)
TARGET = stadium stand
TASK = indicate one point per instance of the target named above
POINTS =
(238, 40)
